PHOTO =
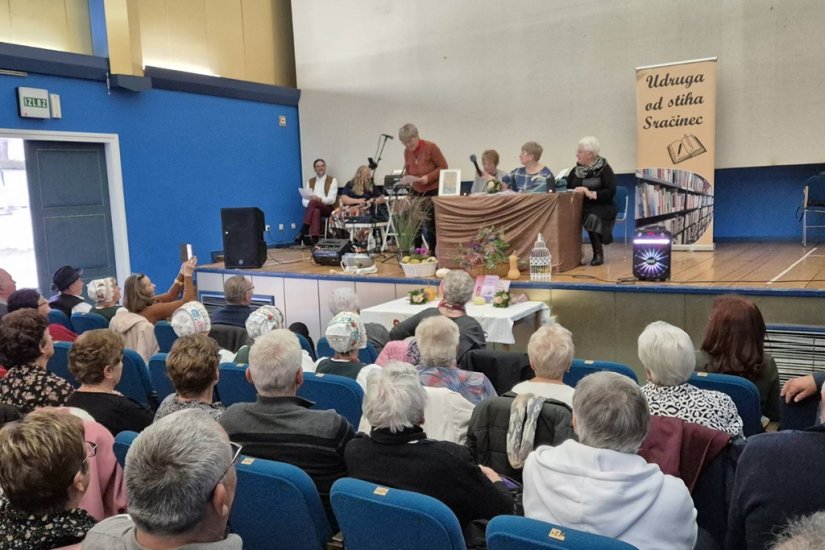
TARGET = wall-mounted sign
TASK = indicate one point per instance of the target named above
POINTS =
(33, 102)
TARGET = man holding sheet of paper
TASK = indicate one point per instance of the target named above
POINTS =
(423, 161)
(318, 196)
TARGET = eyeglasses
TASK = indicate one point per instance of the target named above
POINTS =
(250, 289)
(91, 450)
(236, 453)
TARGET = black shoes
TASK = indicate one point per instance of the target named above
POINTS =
(598, 259)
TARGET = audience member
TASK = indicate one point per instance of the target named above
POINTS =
(489, 172)
(264, 320)
(424, 162)
(324, 190)
(802, 387)
(457, 288)
(345, 299)
(29, 298)
(551, 352)
(599, 484)
(346, 335)
(237, 291)
(777, 479)
(735, 344)
(437, 339)
(139, 294)
(193, 367)
(193, 318)
(7, 286)
(280, 425)
(181, 481)
(96, 361)
(807, 533)
(669, 359)
(25, 349)
(593, 177)
(397, 350)
(69, 299)
(394, 406)
(44, 474)
(532, 175)
(106, 294)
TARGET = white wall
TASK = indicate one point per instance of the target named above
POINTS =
(475, 74)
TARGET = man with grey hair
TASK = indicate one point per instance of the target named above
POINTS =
(180, 483)
(437, 339)
(345, 299)
(424, 162)
(280, 425)
(398, 453)
(669, 359)
(778, 477)
(237, 291)
(457, 289)
(7, 287)
(599, 484)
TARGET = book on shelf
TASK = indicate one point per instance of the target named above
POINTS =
(685, 148)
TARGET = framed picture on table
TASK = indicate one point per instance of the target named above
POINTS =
(449, 183)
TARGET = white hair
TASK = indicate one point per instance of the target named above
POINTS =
(172, 468)
(437, 339)
(274, 360)
(458, 287)
(806, 533)
(611, 412)
(551, 351)
(667, 353)
(395, 398)
(343, 299)
(590, 143)
(407, 132)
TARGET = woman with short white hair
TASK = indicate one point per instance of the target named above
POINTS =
(669, 359)
(551, 352)
(457, 289)
(394, 406)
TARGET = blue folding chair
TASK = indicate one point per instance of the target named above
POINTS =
(307, 347)
(59, 363)
(373, 516)
(367, 355)
(581, 368)
(622, 200)
(157, 375)
(58, 317)
(88, 321)
(744, 393)
(519, 533)
(330, 391)
(277, 506)
(123, 441)
(134, 382)
(165, 336)
(233, 386)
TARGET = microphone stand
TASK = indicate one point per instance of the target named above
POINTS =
(373, 164)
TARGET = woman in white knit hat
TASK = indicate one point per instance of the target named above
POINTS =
(346, 335)
(105, 294)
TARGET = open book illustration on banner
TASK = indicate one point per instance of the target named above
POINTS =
(685, 148)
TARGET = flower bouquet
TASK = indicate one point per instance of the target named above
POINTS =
(422, 295)
(493, 186)
(501, 299)
(486, 254)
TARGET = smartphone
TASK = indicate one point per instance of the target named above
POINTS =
(186, 252)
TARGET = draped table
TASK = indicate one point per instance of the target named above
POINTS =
(522, 216)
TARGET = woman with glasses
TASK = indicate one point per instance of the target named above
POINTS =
(29, 298)
(139, 294)
(44, 474)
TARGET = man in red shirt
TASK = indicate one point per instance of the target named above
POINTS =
(424, 161)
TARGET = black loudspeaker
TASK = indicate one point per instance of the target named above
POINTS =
(243, 237)
(651, 254)
(330, 251)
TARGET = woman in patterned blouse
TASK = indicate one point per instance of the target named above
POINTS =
(668, 357)
(25, 349)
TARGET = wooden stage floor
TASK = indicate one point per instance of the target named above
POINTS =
(761, 267)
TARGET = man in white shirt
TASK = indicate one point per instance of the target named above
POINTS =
(324, 190)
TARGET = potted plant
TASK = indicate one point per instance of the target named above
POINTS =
(409, 215)
(486, 254)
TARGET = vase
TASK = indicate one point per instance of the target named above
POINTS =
(514, 274)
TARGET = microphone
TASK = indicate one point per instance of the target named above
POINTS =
(474, 160)
(387, 136)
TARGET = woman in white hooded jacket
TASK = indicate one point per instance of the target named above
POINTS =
(599, 484)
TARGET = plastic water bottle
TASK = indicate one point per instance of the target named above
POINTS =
(541, 263)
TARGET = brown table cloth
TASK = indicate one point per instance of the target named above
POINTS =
(521, 215)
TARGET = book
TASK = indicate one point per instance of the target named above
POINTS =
(488, 285)
(685, 148)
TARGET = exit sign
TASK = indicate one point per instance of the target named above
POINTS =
(33, 102)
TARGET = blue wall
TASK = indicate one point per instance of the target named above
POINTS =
(184, 157)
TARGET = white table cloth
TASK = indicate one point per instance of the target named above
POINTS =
(496, 322)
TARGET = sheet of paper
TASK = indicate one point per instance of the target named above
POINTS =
(306, 193)
(408, 180)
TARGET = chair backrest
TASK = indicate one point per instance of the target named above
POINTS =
(519, 533)
(123, 441)
(621, 201)
(165, 335)
(157, 374)
(330, 391)
(229, 337)
(88, 321)
(815, 191)
(59, 363)
(323, 349)
(582, 368)
(134, 382)
(306, 346)
(277, 506)
(368, 355)
(233, 386)
(744, 393)
(58, 317)
(373, 516)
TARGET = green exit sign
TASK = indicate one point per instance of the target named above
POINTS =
(33, 102)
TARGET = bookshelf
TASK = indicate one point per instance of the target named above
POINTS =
(679, 200)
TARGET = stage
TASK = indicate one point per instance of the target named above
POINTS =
(603, 306)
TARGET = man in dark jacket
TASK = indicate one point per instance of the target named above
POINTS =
(237, 291)
(67, 282)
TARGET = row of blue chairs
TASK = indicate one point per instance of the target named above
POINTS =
(277, 506)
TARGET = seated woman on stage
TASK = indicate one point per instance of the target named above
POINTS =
(324, 194)
(532, 174)
(489, 172)
(594, 178)
(360, 200)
